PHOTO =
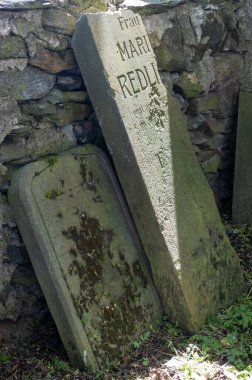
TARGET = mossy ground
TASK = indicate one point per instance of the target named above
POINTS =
(221, 350)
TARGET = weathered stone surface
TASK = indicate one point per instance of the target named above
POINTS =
(23, 23)
(56, 96)
(4, 25)
(86, 254)
(9, 116)
(13, 64)
(79, 7)
(171, 54)
(51, 61)
(228, 65)
(12, 150)
(193, 264)
(31, 42)
(242, 198)
(12, 47)
(70, 112)
(50, 141)
(205, 103)
(190, 85)
(59, 21)
(52, 41)
(39, 108)
(156, 25)
(228, 94)
(28, 84)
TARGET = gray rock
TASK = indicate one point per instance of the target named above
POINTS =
(12, 150)
(38, 108)
(59, 21)
(13, 64)
(228, 94)
(4, 24)
(52, 61)
(12, 47)
(228, 65)
(52, 40)
(171, 54)
(210, 102)
(11, 307)
(50, 141)
(156, 25)
(56, 96)
(9, 116)
(69, 112)
(26, 22)
(28, 84)
(245, 20)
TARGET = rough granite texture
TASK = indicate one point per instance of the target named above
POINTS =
(206, 43)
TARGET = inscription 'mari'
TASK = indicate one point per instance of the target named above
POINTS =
(137, 46)
(138, 80)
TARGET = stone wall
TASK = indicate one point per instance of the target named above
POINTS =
(204, 53)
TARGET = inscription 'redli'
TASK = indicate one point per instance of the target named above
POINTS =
(135, 81)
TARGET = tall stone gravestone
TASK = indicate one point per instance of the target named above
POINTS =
(193, 264)
(242, 198)
(86, 254)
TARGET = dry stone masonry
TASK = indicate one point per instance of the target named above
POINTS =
(193, 264)
(204, 56)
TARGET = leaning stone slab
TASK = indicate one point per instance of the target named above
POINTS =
(193, 264)
(86, 254)
(242, 198)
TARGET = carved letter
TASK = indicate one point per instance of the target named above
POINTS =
(132, 49)
(123, 50)
(132, 79)
(122, 79)
(120, 19)
(142, 79)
